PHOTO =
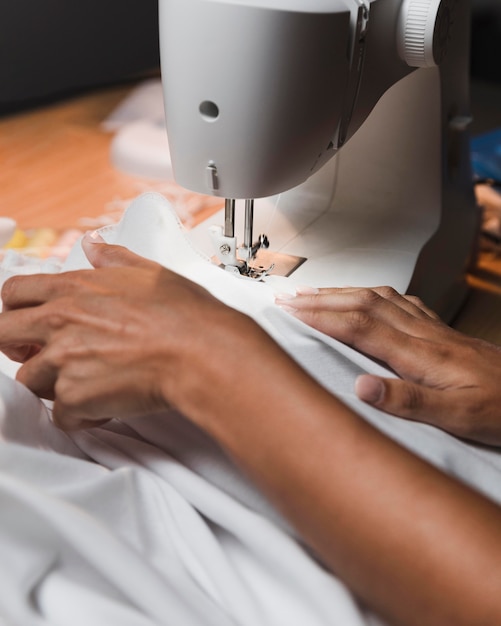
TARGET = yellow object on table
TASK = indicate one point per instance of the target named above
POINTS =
(18, 240)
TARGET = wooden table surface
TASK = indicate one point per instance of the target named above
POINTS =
(55, 167)
(55, 171)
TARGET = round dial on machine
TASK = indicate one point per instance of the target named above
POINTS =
(423, 31)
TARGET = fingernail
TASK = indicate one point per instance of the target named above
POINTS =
(284, 297)
(305, 290)
(369, 389)
(288, 309)
(94, 237)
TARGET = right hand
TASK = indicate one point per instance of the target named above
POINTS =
(447, 379)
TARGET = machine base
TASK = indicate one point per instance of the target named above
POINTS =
(282, 264)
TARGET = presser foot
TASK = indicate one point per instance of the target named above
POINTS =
(252, 260)
(265, 263)
(278, 264)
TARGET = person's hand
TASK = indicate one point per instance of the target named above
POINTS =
(447, 379)
(126, 339)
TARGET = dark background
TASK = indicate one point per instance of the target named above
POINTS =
(485, 65)
(56, 48)
(53, 48)
(486, 40)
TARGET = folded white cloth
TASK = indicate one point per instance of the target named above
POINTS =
(146, 520)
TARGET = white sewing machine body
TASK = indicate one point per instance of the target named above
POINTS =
(261, 97)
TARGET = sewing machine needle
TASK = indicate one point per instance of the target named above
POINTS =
(248, 225)
(229, 217)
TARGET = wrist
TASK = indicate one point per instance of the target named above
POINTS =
(206, 379)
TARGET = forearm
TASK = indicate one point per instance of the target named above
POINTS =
(415, 545)
(132, 337)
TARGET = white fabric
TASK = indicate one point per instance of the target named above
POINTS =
(146, 521)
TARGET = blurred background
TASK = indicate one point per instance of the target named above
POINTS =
(485, 40)
(486, 65)
(54, 48)
(65, 68)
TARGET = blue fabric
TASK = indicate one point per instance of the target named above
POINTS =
(486, 155)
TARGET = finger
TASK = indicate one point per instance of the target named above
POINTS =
(101, 254)
(368, 297)
(405, 399)
(39, 375)
(64, 420)
(325, 312)
(22, 331)
(21, 353)
(412, 357)
(433, 406)
(34, 290)
(25, 291)
(29, 291)
(421, 306)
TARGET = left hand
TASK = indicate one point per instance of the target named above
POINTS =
(124, 339)
(448, 379)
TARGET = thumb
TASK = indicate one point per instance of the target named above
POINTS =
(400, 397)
(102, 254)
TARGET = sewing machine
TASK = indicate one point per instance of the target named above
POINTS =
(336, 129)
